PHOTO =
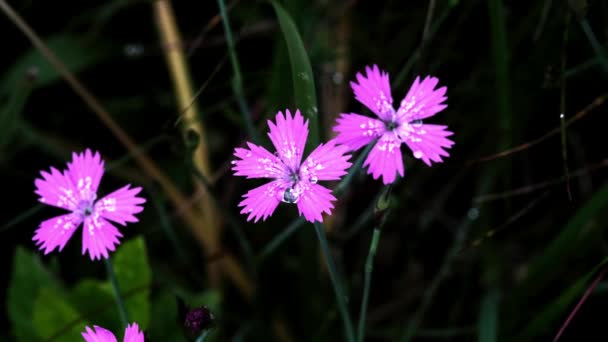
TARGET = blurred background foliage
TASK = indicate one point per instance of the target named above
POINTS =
(477, 248)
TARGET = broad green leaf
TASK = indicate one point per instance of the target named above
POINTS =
(95, 302)
(164, 324)
(302, 76)
(488, 318)
(53, 313)
(28, 277)
(134, 278)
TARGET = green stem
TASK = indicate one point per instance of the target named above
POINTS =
(122, 309)
(369, 266)
(238, 79)
(202, 336)
(336, 282)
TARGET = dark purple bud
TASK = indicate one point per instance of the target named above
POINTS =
(199, 319)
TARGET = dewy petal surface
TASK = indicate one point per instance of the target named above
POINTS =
(422, 100)
(289, 137)
(98, 237)
(121, 205)
(257, 162)
(98, 335)
(356, 131)
(56, 189)
(86, 170)
(428, 142)
(374, 91)
(261, 202)
(133, 334)
(385, 159)
(327, 162)
(55, 233)
(314, 200)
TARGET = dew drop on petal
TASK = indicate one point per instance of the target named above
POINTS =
(313, 179)
(290, 196)
(233, 162)
(416, 123)
(417, 154)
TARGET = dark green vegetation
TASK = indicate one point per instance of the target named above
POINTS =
(498, 243)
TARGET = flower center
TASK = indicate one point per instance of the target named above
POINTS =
(85, 208)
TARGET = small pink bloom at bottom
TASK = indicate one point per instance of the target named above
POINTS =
(99, 334)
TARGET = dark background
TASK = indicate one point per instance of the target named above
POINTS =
(447, 250)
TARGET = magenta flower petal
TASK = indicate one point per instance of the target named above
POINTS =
(356, 131)
(314, 200)
(75, 189)
(257, 162)
(98, 335)
(262, 201)
(86, 170)
(289, 137)
(121, 205)
(133, 334)
(55, 232)
(327, 162)
(429, 143)
(385, 159)
(374, 91)
(56, 189)
(293, 181)
(422, 100)
(98, 237)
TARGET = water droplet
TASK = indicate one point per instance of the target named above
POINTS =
(233, 162)
(290, 196)
(313, 179)
(134, 50)
(561, 116)
(473, 214)
(338, 77)
(418, 154)
(416, 123)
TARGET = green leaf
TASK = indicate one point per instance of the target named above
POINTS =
(488, 318)
(547, 318)
(95, 302)
(28, 277)
(572, 239)
(52, 313)
(76, 53)
(302, 76)
(164, 325)
(134, 278)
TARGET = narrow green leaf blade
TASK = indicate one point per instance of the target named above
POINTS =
(303, 79)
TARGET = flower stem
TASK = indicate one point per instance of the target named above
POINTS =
(122, 309)
(336, 282)
(369, 266)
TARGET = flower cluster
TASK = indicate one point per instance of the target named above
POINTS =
(291, 179)
(294, 181)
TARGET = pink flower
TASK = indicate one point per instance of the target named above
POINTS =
(394, 127)
(292, 180)
(99, 334)
(75, 189)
